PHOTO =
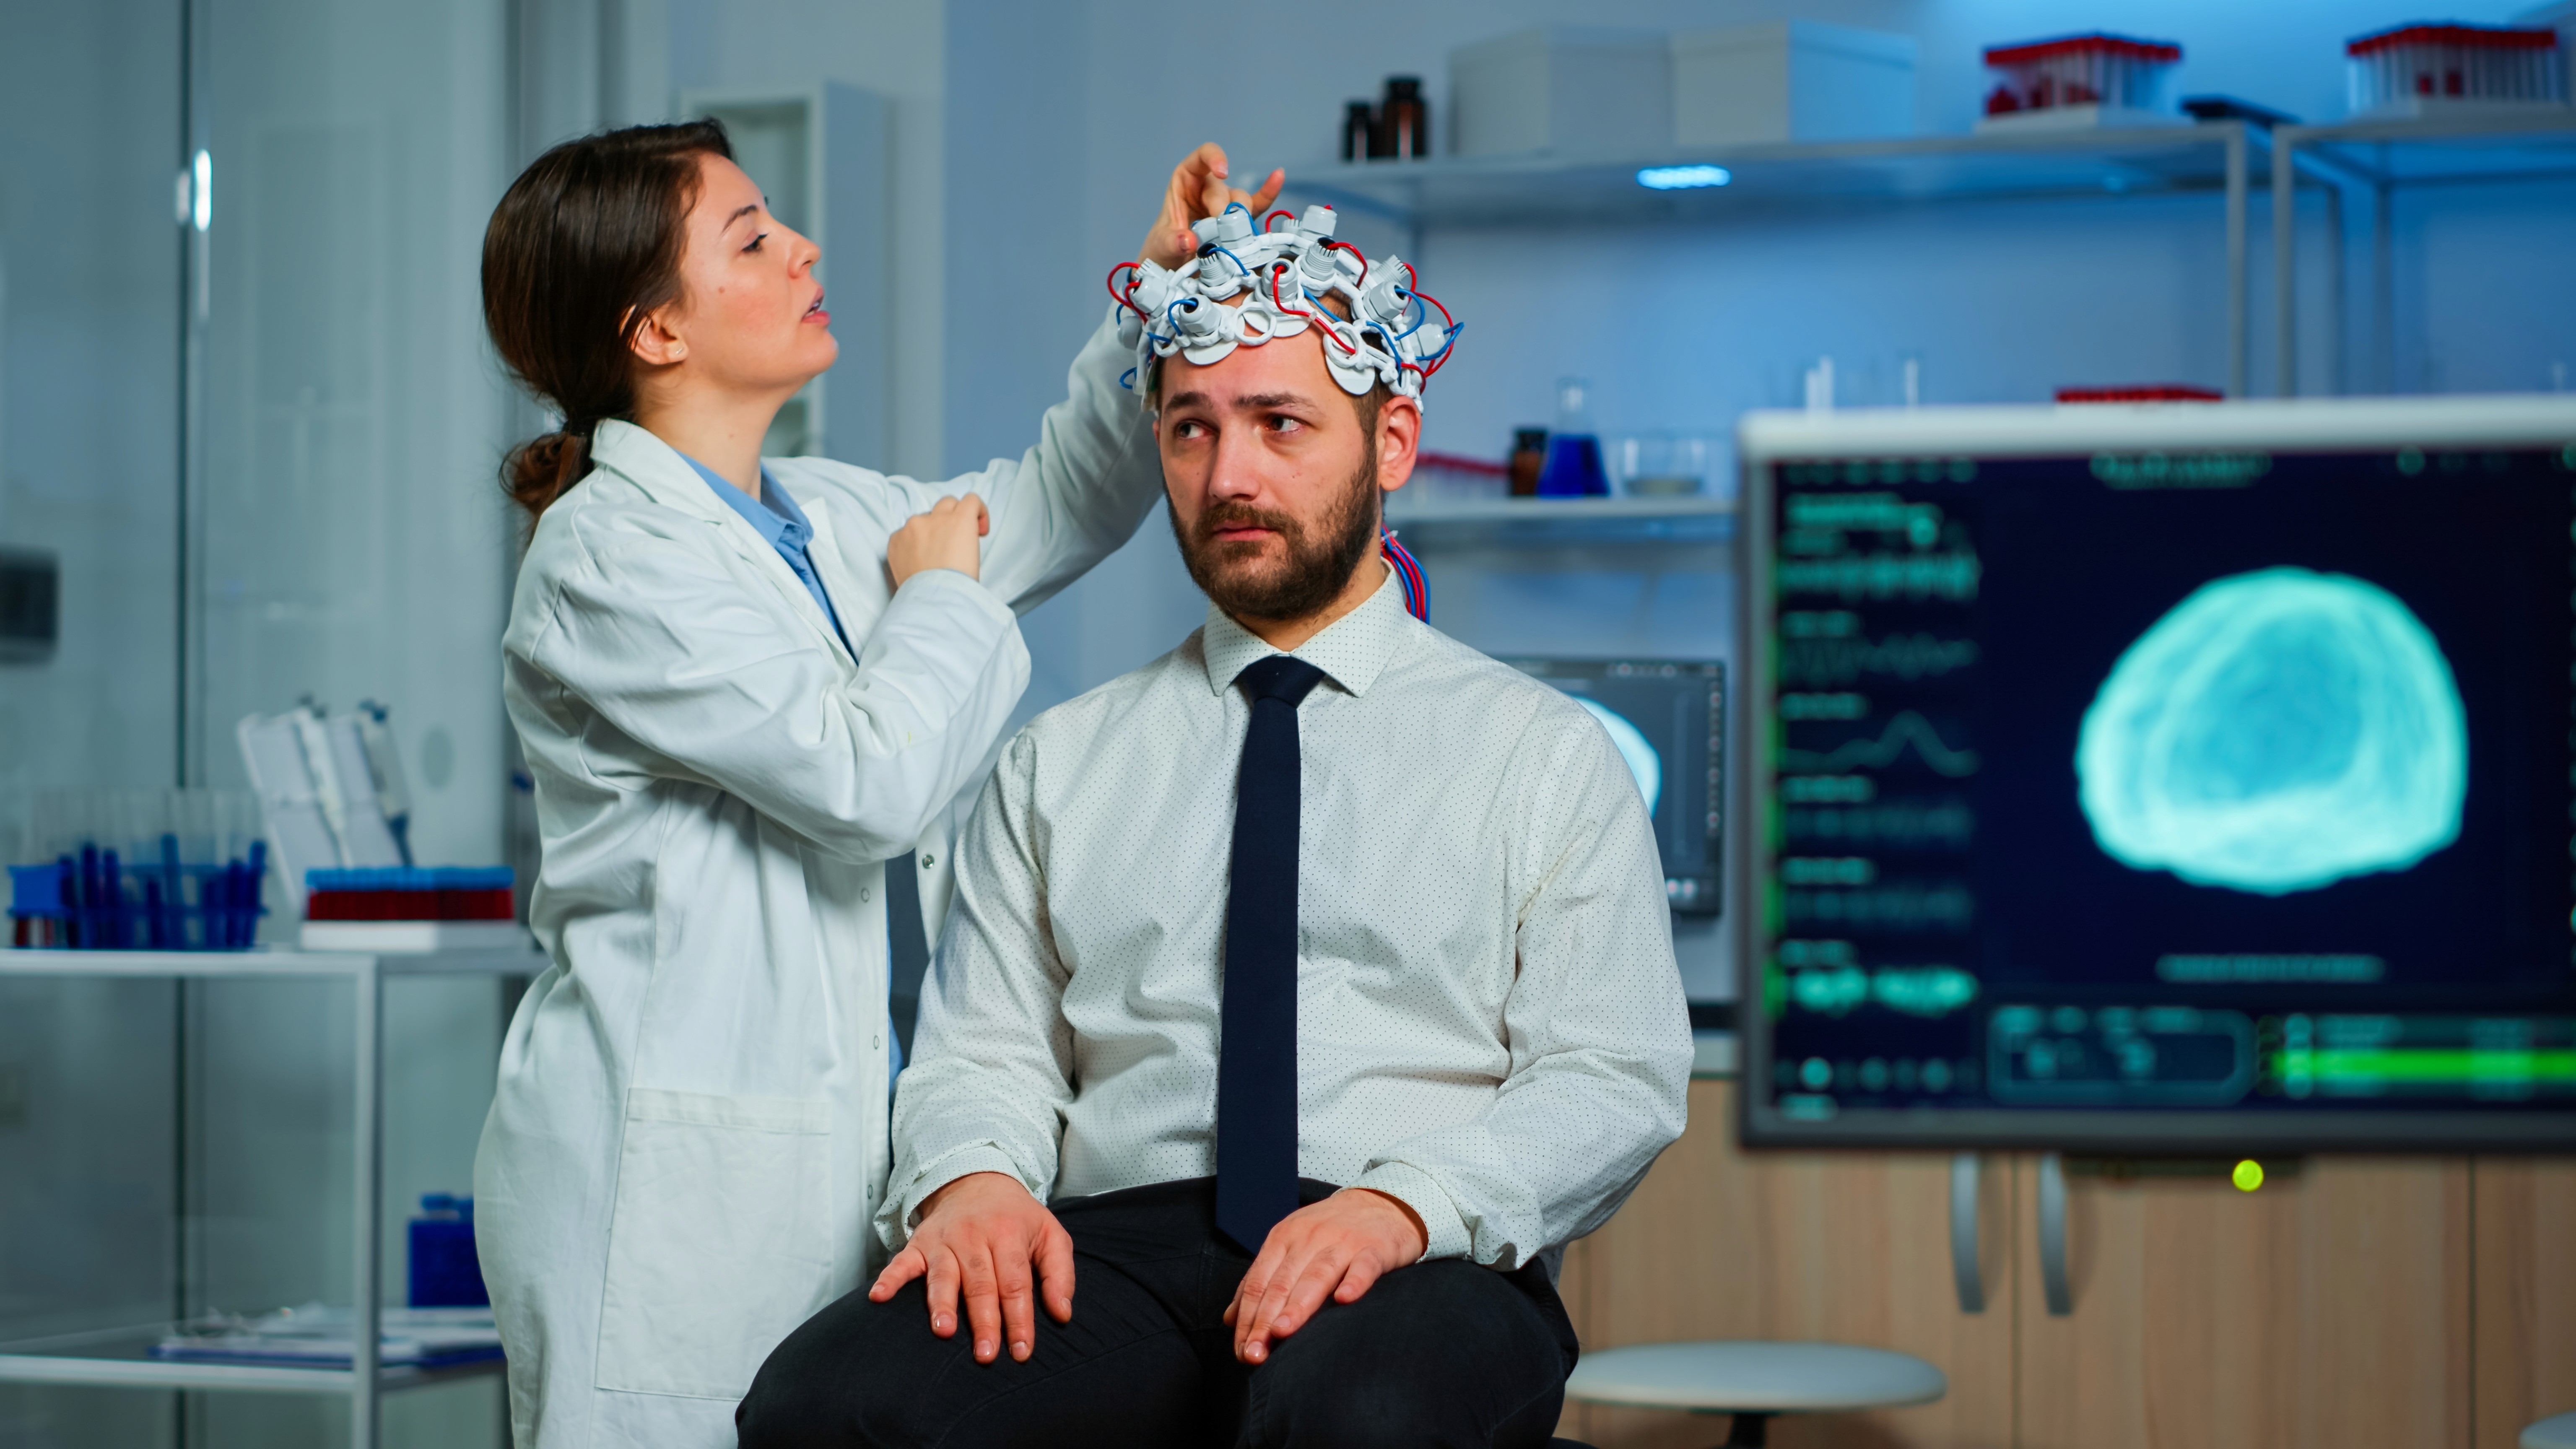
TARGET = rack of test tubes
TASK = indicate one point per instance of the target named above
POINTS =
(2080, 80)
(138, 870)
(2427, 69)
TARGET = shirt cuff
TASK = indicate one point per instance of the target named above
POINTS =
(1444, 1233)
(897, 1225)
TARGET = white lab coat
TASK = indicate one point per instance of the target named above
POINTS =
(689, 1134)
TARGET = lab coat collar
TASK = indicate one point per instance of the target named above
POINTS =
(667, 477)
(1352, 650)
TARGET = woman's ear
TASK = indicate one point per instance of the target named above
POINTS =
(654, 343)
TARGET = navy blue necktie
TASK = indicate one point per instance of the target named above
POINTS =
(1256, 1076)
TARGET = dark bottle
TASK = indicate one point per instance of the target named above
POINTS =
(1403, 120)
(1529, 459)
(1359, 131)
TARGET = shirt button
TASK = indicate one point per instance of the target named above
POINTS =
(863, 893)
(927, 861)
(876, 1043)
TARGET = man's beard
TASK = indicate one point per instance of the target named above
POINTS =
(1318, 566)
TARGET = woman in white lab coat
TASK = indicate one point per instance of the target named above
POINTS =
(736, 707)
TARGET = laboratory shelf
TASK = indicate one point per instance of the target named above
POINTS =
(2538, 145)
(1490, 189)
(119, 1358)
(2222, 157)
(1440, 523)
(2383, 157)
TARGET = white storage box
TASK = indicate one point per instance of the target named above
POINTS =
(1563, 89)
(1790, 80)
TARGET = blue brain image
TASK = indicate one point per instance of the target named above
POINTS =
(2277, 731)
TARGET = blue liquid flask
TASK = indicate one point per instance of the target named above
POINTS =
(1574, 450)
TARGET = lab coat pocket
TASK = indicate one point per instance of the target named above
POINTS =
(721, 1243)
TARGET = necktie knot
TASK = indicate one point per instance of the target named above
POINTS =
(1282, 677)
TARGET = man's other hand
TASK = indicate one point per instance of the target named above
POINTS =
(1199, 190)
(984, 1232)
(1337, 1247)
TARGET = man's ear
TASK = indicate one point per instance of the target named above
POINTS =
(1399, 433)
(654, 343)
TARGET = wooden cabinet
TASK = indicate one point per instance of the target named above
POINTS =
(2352, 1301)
(2522, 1320)
(2328, 1310)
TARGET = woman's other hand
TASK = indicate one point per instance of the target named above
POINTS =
(943, 538)
(1198, 190)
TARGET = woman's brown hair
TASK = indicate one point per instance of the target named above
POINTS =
(584, 245)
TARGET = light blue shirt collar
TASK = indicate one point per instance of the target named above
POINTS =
(776, 518)
(773, 514)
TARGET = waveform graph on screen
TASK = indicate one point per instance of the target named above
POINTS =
(2274, 732)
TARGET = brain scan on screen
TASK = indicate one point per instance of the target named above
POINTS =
(2276, 731)
(1634, 749)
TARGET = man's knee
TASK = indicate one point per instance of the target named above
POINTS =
(1437, 1354)
(838, 1382)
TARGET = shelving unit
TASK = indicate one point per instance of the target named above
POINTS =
(2383, 157)
(1560, 522)
(120, 1357)
(2215, 156)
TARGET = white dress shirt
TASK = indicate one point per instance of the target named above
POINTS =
(1490, 1025)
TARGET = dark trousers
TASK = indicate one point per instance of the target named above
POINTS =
(1442, 1353)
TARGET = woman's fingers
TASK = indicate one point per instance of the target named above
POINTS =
(1259, 201)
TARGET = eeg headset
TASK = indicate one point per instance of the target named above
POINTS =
(1381, 331)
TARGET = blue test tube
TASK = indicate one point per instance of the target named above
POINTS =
(111, 873)
(170, 927)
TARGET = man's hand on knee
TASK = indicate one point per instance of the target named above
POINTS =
(983, 1233)
(1337, 1247)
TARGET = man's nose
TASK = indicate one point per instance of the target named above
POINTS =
(1235, 476)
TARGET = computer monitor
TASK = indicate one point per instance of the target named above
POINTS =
(1667, 716)
(2161, 779)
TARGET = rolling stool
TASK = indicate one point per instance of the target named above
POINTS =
(1754, 1381)
(2555, 1432)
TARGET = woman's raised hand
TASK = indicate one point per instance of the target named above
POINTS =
(943, 538)
(1198, 190)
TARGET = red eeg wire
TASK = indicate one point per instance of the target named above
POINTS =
(1354, 251)
(1274, 216)
(1293, 312)
(1127, 299)
(1417, 595)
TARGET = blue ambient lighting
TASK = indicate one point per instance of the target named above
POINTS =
(2277, 731)
(1683, 178)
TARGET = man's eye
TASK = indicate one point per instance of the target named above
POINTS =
(1190, 430)
(1281, 424)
